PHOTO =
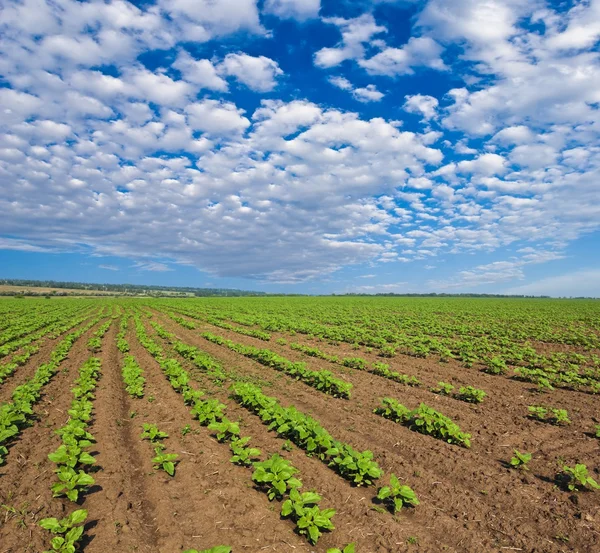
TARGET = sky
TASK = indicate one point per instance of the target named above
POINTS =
(303, 146)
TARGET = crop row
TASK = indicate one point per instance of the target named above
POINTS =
(275, 476)
(72, 456)
(15, 415)
(323, 381)
(7, 369)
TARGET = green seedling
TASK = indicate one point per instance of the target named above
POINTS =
(276, 475)
(68, 531)
(520, 460)
(217, 549)
(186, 430)
(310, 520)
(470, 394)
(152, 433)
(396, 495)
(443, 388)
(165, 461)
(71, 482)
(243, 455)
(350, 548)
(226, 430)
(577, 477)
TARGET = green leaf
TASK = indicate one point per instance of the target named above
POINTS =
(74, 534)
(57, 542)
(51, 524)
(78, 516)
(314, 534)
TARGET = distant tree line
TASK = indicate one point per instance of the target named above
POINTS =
(126, 289)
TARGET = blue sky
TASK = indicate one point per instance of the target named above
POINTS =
(303, 145)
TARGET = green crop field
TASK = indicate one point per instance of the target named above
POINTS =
(332, 424)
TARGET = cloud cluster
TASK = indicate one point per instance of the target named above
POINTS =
(98, 150)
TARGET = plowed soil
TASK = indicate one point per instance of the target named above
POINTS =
(470, 502)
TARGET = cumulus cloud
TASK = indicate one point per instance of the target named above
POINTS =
(293, 9)
(355, 34)
(256, 72)
(365, 94)
(418, 52)
(170, 161)
(422, 104)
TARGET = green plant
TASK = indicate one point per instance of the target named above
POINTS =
(208, 411)
(303, 509)
(68, 531)
(152, 433)
(425, 420)
(520, 460)
(165, 461)
(133, 377)
(577, 477)
(276, 475)
(71, 482)
(243, 455)
(470, 394)
(226, 430)
(549, 414)
(396, 495)
(597, 428)
(496, 365)
(443, 388)
(354, 465)
(186, 430)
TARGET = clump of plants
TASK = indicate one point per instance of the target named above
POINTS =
(520, 460)
(443, 388)
(396, 495)
(471, 394)
(303, 509)
(68, 531)
(276, 475)
(496, 365)
(577, 478)
(549, 414)
(242, 454)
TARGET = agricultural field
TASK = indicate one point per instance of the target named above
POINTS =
(328, 425)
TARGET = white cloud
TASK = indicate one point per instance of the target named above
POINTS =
(153, 266)
(97, 149)
(341, 82)
(365, 94)
(294, 9)
(485, 164)
(201, 20)
(199, 72)
(368, 93)
(214, 117)
(417, 52)
(355, 33)
(423, 104)
(108, 267)
(256, 72)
